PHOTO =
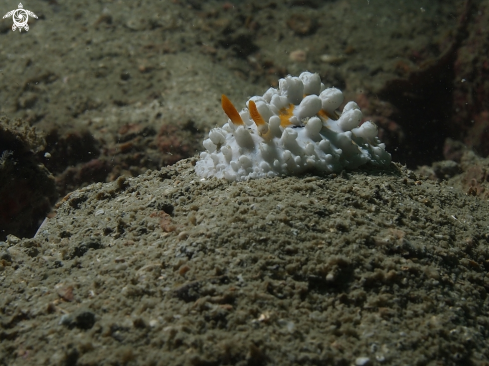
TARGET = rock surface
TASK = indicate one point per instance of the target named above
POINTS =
(368, 267)
(27, 189)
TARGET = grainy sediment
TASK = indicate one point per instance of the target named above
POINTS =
(169, 269)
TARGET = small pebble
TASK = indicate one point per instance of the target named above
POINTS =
(65, 319)
(298, 56)
(332, 59)
(362, 361)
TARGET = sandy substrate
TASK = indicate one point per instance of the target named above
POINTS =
(363, 268)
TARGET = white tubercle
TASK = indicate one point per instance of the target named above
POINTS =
(295, 121)
(308, 107)
(313, 127)
(279, 101)
(245, 161)
(331, 99)
(217, 137)
(287, 132)
(209, 145)
(350, 119)
(227, 152)
(292, 88)
(367, 130)
(243, 137)
(269, 94)
(245, 116)
(288, 136)
(264, 110)
(324, 145)
(274, 125)
(349, 106)
(312, 83)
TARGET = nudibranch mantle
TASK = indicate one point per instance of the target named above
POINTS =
(288, 131)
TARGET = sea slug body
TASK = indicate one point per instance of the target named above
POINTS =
(288, 131)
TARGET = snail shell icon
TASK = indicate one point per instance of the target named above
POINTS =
(20, 17)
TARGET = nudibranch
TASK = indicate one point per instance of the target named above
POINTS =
(288, 131)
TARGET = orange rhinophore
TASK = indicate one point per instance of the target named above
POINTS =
(255, 115)
(261, 125)
(231, 111)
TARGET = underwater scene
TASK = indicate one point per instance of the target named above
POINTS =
(256, 182)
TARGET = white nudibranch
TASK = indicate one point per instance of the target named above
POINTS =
(288, 131)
